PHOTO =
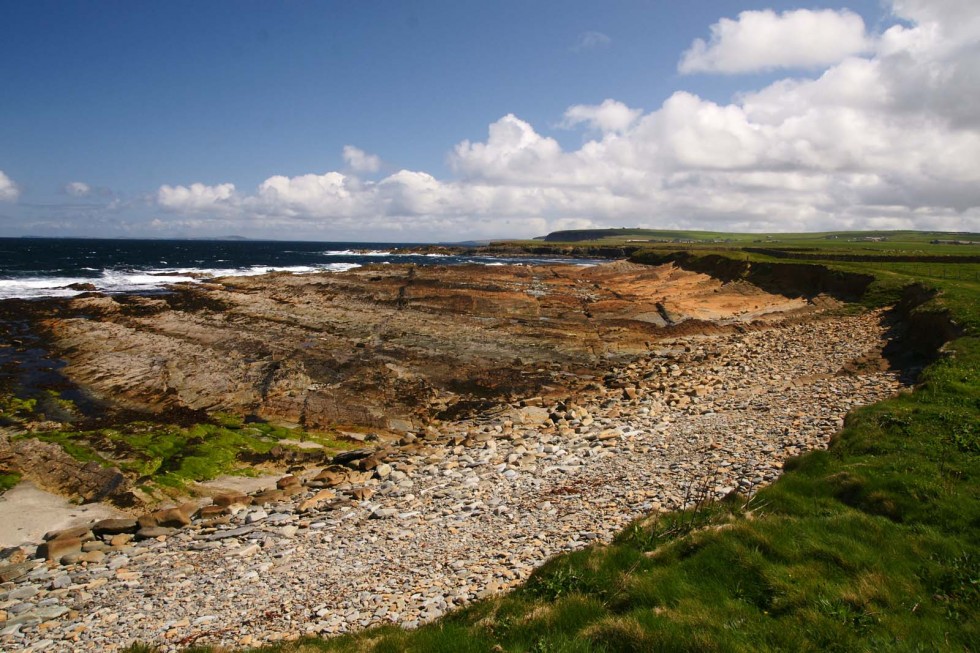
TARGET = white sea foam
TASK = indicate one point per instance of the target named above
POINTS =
(28, 288)
(350, 252)
(115, 281)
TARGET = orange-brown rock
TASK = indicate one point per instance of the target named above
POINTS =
(208, 512)
(83, 533)
(384, 346)
(166, 517)
(316, 500)
(51, 468)
(268, 496)
(231, 498)
(331, 477)
(287, 481)
(58, 548)
(114, 526)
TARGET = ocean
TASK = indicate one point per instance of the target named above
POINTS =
(45, 267)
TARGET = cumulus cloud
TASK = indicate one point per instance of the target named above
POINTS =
(360, 161)
(9, 191)
(78, 189)
(610, 116)
(196, 197)
(764, 40)
(883, 140)
(591, 41)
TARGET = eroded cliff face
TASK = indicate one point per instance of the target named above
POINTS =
(386, 346)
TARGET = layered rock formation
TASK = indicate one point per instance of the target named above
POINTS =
(52, 469)
(389, 347)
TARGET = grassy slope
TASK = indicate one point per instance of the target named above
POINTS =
(872, 544)
(852, 240)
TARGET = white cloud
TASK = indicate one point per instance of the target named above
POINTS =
(360, 161)
(764, 40)
(610, 116)
(78, 189)
(9, 191)
(591, 41)
(196, 197)
(513, 151)
(884, 140)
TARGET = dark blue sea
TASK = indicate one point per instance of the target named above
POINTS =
(44, 267)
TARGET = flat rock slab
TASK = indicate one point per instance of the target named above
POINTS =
(234, 532)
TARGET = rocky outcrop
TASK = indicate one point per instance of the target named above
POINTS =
(52, 469)
(388, 346)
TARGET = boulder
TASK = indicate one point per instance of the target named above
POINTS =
(82, 532)
(209, 512)
(331, 477)
(356, 478)
(232, 498)
(316, 500)
(268, 496)
(168, 517)
(58, 548)
(367, 464)
(531, 415)
(115, 526)
(16, 570)
(288, 481)
(347, 457)
(92, 556)
(153, 532)
(362, 493)
(121, 540)
(148, 520)
(189, 509)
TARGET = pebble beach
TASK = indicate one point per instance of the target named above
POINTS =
(459, 511)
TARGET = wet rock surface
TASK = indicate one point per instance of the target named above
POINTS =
(402, 532)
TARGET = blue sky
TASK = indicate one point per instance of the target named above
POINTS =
(107, 105)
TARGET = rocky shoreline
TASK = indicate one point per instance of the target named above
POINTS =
(460, 510)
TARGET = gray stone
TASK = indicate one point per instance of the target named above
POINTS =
(153, 532)
(256, 516)
(23, 592)
(234, 532)
(51, 612)
(61, 582)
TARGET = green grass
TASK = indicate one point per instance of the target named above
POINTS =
(8, 480)
(898, 242)
(870, 545)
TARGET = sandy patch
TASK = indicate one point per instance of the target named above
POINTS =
(244, 484)
(302, 444)
(28, 512)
